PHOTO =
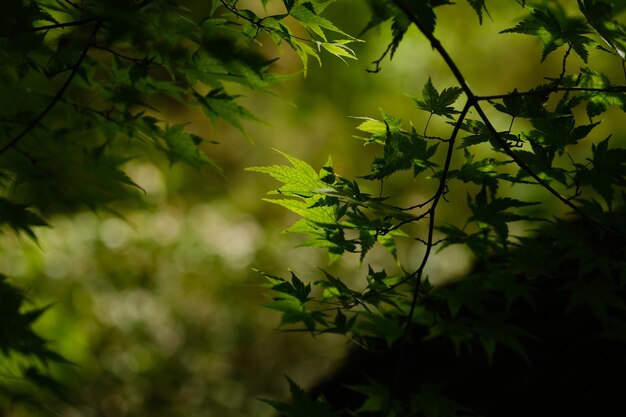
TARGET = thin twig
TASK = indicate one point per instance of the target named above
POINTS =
(57, 97)
(420, 205)
(60, 25)
(259, 24)
(379, 60)
(564, 64)
(122, 56)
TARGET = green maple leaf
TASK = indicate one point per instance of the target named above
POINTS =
(314, 201)
(607, 172)
(493, 213)
(20, 217)
(403, 151)
(597, 101)
(527, 106)
(301, 404)
(559, 132)
(436, 103)
(600, 15)
(295, 288)
(299, 180)
(479, 6)
(183, 146)
(480, 172)
(555, 33)
(218, 103)
(401, 14)
(308, 15)
(379, 129)
(540, 161)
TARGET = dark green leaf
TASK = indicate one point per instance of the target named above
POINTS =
(430, 402)
(601, 16)
(554, 33)
(559, 132)
(439, 104)
(479, 6)
(19, 217)
(301, 404)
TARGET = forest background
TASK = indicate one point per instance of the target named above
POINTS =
(156, 301)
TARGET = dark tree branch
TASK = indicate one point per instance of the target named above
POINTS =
(57, 97)
(62, 25)
(473, 102)
(612, 89)
(418, 274)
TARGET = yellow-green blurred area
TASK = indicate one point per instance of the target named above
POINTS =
(159, 306)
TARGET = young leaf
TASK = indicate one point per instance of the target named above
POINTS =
(308, 16)
(379, 129)
(338, 48)
(299, 180)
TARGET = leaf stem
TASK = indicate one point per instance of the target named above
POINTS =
(430, 116)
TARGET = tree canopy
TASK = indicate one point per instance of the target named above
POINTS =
(90, 85)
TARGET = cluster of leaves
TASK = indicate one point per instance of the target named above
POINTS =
(308, 15)
(84, 81)
(85, 87)
(23, 353)
(338, 215)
